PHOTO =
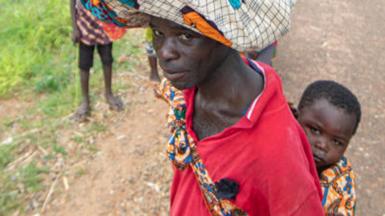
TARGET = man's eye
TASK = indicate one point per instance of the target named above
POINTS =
(315, 131)
(157, 33)
(185, 37)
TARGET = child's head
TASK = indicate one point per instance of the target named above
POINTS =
(329, 113)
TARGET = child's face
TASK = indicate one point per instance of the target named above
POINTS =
(328, 129)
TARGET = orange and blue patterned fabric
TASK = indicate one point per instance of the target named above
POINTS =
(338, 189)
(242, 25)
(182, 152)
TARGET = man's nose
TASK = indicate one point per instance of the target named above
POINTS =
(167, 51)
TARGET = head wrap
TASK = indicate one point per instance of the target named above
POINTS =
(241, 24)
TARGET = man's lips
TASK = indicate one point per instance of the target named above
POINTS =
(174, 75)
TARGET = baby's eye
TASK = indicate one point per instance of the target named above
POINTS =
(185, 36)
(315, 131)
(338, 143)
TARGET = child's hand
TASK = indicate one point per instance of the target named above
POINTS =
(75, 36)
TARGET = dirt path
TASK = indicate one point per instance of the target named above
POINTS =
(345, 41)
(129, 174)
(341, 40)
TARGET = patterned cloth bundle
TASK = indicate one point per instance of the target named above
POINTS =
(241, 24)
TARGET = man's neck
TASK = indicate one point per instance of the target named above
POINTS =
(233, 83)
(222, 100)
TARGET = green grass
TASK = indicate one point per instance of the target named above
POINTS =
(9, 194)
(38, 61)
(36, 34)
(37, 53)
(27, 179)
(6, 155)
(30, 177)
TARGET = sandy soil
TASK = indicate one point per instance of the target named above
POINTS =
(344, 41)
(340, 40)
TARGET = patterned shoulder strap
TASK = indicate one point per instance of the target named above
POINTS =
(181, 150)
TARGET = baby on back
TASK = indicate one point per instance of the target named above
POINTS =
(330, 114)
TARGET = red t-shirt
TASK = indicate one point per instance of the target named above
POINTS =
(266, 153)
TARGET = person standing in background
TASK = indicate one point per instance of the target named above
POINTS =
(152, 60)
(89, 33)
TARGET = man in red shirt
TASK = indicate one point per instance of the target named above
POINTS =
(242, 126)
(236, 147)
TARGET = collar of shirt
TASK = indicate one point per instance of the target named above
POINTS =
(271, 86)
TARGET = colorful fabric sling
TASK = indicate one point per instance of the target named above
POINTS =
(182, 152)
(338, 188)
(242, 25)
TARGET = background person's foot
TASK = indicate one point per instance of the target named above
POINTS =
(115, 103)
(82, 113)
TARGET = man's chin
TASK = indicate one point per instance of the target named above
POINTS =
(181, 85)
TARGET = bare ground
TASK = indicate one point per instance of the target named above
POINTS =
(345, 41)
(130, 175)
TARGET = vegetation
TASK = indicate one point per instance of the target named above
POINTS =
(36, 35)
(39, 61)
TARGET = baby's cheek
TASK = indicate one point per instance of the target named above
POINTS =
(310, 138)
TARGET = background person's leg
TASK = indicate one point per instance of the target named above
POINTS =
(154, 75)
(153, 62)
(105, 52)
(85, 63)
(266, 55)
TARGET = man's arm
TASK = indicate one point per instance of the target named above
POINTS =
(311, 206)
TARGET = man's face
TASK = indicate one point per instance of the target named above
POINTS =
(328, 129)
(186, 57)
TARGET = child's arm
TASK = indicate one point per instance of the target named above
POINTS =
(75, 30)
